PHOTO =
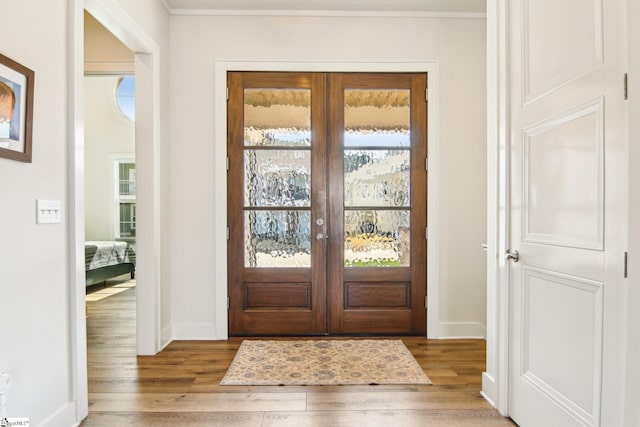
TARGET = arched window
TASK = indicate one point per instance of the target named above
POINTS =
(126, 96)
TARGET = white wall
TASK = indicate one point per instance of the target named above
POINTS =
(108, 134)
(459, 47)
(35, 347)
(34, 294)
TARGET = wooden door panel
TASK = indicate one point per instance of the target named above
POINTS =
(277, 295)
(382, 322)
(377, 265)
(366, 288)
(384, 295)
(276, 179)
(304, 244)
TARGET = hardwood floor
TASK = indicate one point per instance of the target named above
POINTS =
(180, 386)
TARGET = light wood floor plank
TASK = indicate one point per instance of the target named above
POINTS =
(181, 385)
(374, 400)
(403, 418)
(197, 402)
(192, 419)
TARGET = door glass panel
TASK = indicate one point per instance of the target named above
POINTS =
(277, 117)
(277, 238)
(377, 174)
(277, 177)
(376, 238)
(376, 118)
(376, 177)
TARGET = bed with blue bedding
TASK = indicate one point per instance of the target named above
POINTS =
(107, 259)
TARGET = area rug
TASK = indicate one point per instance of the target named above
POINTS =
(323, 362)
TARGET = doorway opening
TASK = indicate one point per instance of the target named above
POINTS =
(327, 189)
(110, 188)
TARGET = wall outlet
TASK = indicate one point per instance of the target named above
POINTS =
(48, 211)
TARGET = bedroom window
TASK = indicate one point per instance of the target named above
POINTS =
(126, 210)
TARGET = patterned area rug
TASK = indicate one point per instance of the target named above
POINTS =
(324, 362)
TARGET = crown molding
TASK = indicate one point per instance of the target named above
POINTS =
(327, 13)
(166, 6)
(473, 9)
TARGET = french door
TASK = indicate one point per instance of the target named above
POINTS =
(326, 203)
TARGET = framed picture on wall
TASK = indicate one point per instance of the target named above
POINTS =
(16, 110)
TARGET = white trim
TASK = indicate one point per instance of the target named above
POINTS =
(194, 331)
(148, 238)
(632, 373)
(165, 5)
(495, 381)
(489, 388)
(220, 170)
(64, 416)
(462, 330)
(126, 29)
(433, 203)
(328, 13)
(166, 335)
(77, 291)
(111, 14)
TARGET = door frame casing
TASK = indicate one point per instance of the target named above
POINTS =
(147, 71)
(495, 381)
(220, 169)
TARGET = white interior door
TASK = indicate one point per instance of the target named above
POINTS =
(566, 210)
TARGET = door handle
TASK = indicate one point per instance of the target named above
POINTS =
(319, 236)
(513, 256)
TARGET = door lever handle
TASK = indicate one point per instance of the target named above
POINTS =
(513, 256)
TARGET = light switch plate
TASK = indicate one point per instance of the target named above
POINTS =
(48, 211)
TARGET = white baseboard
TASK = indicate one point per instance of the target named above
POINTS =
(194, 331)
(65, 416)
(489, 388)
(456, 330)
(207, 331)
(166, 336)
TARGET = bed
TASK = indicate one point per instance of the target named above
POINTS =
(105, 260)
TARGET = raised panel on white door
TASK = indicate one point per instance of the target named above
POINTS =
(563, 180)
(562, 340)
(555, 53)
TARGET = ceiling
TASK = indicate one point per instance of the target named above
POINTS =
(307, 6)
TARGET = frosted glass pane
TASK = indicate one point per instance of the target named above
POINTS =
(376, 118)
(277, 177)
(376, 238)
(376, 177)
(277, 117)
(277, 239)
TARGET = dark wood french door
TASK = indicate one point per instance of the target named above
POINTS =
(327, 203)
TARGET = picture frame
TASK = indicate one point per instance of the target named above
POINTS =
(16, 110)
